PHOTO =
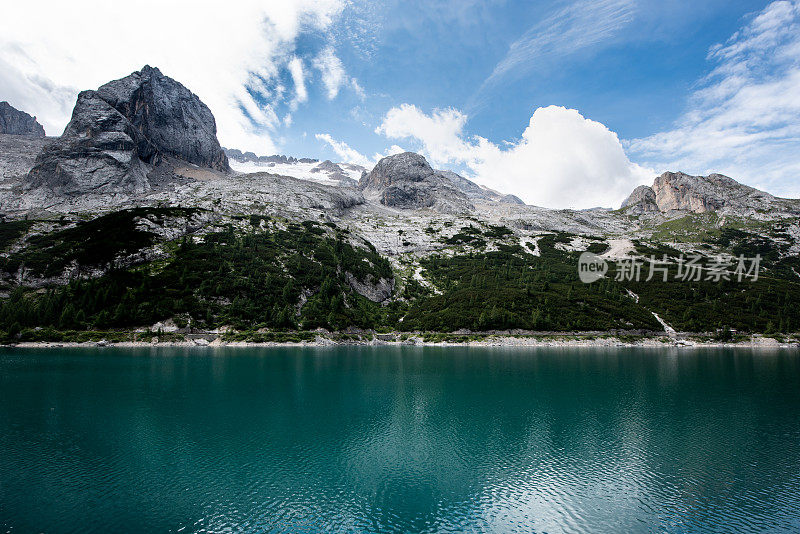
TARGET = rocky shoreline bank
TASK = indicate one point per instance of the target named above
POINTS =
(440, 340)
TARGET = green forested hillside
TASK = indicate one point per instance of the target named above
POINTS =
(253, 272)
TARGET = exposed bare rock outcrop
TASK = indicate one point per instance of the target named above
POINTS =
(264, 193)
(17, 155)
(478, 192)
(374, 290)
(121, 133)
(334, 172)
(512, 199)
(407, 181)
(641, 200)
(677, 191)
(16, 122)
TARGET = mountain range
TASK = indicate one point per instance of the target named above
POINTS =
(136, 214)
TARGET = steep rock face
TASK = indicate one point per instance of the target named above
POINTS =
(168, 115)
(374, 290)
(17, 155)
(407, 181)
(121, 132)
(16, 122)
(680, 192)
(641, 200)
(99, 150)
(699, 194)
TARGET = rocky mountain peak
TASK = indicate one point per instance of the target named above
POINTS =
(120, 133)
(16, 122)
(678, 191)
(168, 115)
(699, 194)
(407, 181)
(404, 167)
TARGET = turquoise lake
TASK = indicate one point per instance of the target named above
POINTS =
(399, 439)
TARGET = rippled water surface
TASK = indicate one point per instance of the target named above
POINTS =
(399, 439)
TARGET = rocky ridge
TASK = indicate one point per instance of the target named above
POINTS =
(641, 200)
(16, 122)
(335, 172)
(145, 140)
(478, 192)
(245, 157)
(341, 174)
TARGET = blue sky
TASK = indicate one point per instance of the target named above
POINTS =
(635, 78)
(566, 103)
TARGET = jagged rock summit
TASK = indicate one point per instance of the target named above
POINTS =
(677, 191)
(407, 181)
(125, 137)
(245, 157)
(16, 122)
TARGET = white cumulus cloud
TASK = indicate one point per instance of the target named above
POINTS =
(440, 133)
(561, 160)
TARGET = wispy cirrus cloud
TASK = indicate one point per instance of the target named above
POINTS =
(348, 154)
(743, 119)
(333, 73)
(580, 26)
(344, 151)
(297, 71)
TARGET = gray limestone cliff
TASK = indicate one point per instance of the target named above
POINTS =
(16, 122)
(121, 133)
(641, 200)
(680, 192)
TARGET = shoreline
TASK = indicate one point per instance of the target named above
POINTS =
(532, 341)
